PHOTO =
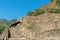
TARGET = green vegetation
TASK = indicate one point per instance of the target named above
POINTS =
(4, 23)
(54, 10)
(42, 10)
(58, 2)
(2, 27)
(35, 12)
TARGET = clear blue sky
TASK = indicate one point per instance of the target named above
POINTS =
(18, 8)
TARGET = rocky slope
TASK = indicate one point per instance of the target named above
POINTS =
(51, 7)
(35, 28)
(42, 27)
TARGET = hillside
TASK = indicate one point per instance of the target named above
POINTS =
(52, 7)
(35, 28)
(5, 23)
(41, 24)
(12, 20)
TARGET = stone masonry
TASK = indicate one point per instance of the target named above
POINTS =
(42, 27)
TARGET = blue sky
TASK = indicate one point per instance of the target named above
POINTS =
(10, 9)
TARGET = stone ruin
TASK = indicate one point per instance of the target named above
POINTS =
(42, 27)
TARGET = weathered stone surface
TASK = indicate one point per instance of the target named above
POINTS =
(42, 27)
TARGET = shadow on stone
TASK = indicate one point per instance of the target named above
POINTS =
(14, 24)
(9, 35)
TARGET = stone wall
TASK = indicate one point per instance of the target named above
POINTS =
(34, 28)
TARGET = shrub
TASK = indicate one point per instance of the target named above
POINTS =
(36, 12)
(2, 27)
(54, 10)
(58, 2)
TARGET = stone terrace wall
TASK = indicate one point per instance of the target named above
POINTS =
(44, 22)
(32, 27)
